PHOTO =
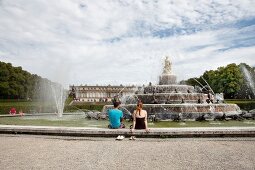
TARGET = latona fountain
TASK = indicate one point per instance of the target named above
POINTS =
(171, 101)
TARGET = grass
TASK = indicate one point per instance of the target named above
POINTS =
(239, 101)
(80, 121)
(230, 123)
(39, 106)
(244, 104)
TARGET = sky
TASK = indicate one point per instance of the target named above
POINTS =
(125, 41)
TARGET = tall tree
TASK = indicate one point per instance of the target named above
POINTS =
(16, 83)
(228, 80)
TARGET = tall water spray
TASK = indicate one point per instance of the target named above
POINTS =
(52, 96)
(249, 78)
(59, 95)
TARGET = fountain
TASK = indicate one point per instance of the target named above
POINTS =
(52, 97)
(249, 78)
(171, 101)
(59, 95)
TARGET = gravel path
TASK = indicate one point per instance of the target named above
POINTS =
(49, 152)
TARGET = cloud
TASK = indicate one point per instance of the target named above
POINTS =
(124, 42)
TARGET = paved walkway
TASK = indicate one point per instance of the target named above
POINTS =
(62, 152)
(154, 132)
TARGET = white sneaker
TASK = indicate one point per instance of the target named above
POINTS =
(120, 137)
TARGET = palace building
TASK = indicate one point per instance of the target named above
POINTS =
(86, 93)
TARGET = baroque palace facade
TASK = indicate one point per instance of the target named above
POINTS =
(87, 93)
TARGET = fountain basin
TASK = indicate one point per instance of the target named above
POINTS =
(181, 111)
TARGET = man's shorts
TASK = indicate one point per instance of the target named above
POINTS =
(122, 125)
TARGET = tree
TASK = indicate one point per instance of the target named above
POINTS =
(228, 80)
(17, 83)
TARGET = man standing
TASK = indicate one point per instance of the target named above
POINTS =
(116, 116)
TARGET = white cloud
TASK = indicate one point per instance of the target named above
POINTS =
(102, 42)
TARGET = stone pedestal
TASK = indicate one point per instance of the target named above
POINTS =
(167, 79)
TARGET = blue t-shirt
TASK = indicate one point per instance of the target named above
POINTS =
(114, 116)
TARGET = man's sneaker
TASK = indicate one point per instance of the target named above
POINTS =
(120, 137)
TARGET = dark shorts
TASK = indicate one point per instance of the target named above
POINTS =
(122, 125)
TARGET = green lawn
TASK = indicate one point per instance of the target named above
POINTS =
(37, 107)
(81, 121)
(243, 104)
(239, 101)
